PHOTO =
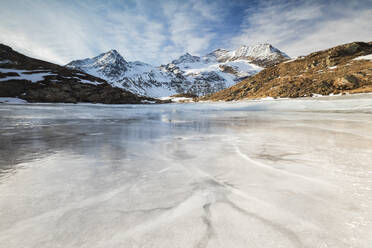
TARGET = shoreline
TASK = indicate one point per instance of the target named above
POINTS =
(15, 100)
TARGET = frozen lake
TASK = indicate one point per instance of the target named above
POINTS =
(283, 173)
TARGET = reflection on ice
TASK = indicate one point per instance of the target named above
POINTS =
(284, 173)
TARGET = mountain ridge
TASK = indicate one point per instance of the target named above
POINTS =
(186, 74)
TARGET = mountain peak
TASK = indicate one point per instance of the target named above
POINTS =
(111, 64)
(186, 58)
(113, 52)
(112, 55)
(219, 50)
(263, 53)
(259, 50)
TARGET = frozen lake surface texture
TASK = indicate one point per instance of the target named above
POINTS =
(275, 173)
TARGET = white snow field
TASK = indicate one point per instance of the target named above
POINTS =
(273, 173)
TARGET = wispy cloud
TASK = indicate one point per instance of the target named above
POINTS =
(38, 28)
(157, 31)
(186, 29)
(151, 31)
(301, 27)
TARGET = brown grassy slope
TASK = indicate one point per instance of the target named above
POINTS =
(323, 72)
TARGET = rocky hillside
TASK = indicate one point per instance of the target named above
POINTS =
(342, 69)
(187, 74)
(40, 81)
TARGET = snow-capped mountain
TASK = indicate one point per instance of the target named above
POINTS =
(262, 54)
(111, 65)
(187, 74)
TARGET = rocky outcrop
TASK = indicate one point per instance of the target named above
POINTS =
(229, 69)
(347, 82)
(336, 70)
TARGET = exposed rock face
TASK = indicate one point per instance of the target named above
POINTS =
(39, 81)
(187, 74)
(347, 82)
(229, 69)
(336, 70)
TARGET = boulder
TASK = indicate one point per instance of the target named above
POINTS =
(347, 82)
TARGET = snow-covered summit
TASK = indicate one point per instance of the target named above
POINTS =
(262, 54)
(260, 51)
(186, 58)
(111, 64)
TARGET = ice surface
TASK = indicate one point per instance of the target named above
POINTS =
(273, 173)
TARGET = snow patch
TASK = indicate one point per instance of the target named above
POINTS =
(147, 101)
(177, 99)
(365, 57)
(37, 76)
(84, 81)
(34, 77)
(12, 100)
(285, 62)
(6, 61)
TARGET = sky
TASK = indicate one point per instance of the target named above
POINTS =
(158, 31)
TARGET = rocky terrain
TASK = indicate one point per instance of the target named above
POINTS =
(187, 74)
(343, 69)
(40, 81)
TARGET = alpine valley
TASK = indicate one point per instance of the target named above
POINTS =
(189, 74)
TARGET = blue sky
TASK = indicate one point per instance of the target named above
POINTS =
(157, 31)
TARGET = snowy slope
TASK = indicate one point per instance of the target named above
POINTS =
(261, 54)
(110, 64)
(36, 76)
(33, 76)
(187, 74)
